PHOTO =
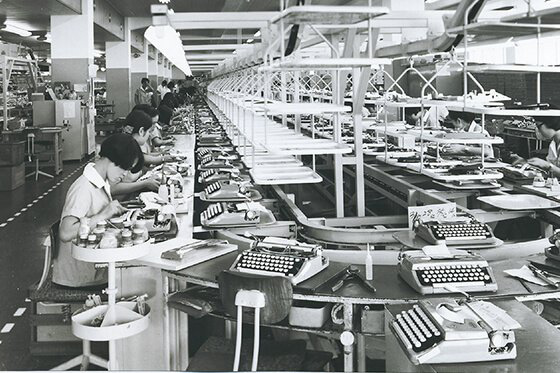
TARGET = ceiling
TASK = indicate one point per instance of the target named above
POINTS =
(34, 15)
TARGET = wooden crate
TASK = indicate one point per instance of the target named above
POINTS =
(12, 153)
(12, 177)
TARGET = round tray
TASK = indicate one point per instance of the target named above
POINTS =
(120, 254)
(124, 324)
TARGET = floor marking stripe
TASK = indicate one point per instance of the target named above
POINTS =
(7, 328)
(20, 311)
(24, 209)
(29, 205)
(17, 214)
(3, 225)
(11, 219)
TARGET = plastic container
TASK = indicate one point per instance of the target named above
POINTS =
(309, 314)
(121, 321)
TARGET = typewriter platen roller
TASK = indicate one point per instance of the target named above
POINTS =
(275, 256)
(452, 332)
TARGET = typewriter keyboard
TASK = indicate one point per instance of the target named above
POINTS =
(203, 152)
(418, 328)
(287, 265)
(214, 187)
(206, 159)
(212, 211)
(461, 231)
(207, 174)
(454, 273)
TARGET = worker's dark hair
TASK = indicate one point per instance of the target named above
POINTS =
(550, 122)
(169, 100)
(148, 109)
(145, 80)
(165, 114)
(466, 116)
(135, 120)
(164, 83)
(171, 84)
(124, 151)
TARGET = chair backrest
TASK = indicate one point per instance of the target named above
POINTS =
(51, 251)
(277, 291)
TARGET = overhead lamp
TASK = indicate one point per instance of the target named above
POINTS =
(16, 30)
(257, 34)
(103, 68)
(164, 1)
(250, 41)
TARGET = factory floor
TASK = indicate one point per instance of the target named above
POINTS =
(26, 214)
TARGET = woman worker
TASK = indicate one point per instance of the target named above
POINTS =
(138, 124)
(90, 197)
(155, 139)
(548, 128)
(464, 122)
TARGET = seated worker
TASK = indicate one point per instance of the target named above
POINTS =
(464, 122)
(138, 124)
(548, 128)
(166, 117)
(155, 138)
(433, 117)
(90, 197)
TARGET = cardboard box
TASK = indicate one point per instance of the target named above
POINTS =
(12, 153)
(12, 177)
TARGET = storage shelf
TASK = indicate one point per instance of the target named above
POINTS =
(328, 15)
(505, 112)
(497, 29)
(319, 63)
(303, 108)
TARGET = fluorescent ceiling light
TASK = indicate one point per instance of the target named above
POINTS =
(258, 33)
(168, 42)
(16, 30)
(250, 41)
(97, 53)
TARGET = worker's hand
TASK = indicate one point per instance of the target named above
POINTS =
(517, 160)
(540, 163)
(455, 149)
(151, 185)
(168, 158)
(114, 208)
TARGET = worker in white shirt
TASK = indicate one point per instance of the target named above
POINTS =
(162, 89)
(89, 201)
(465, 122)
(433, 117)
(548, 128)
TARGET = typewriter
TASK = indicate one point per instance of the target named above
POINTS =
(455, 332)
(226, 191)
(208, 162)
(216, 153)
(219, 215)
(275, 256)
(455, 232)
(218, 174)
(457, 270)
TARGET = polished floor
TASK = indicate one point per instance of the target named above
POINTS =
(25, 217)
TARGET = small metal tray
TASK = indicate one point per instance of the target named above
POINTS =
(519, 202)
